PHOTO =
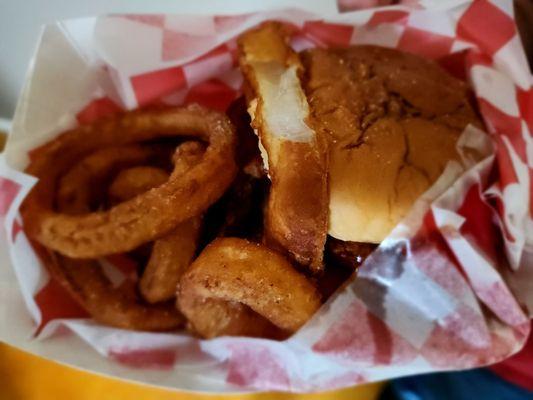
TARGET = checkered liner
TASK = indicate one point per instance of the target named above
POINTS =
(446, 290)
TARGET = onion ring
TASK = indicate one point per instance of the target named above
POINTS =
(174, 252)
(295, 153)
(236, 273)
(84, 279)
(215, 318)
(133, 181)
(147, 216)
(76, 187)
(170, 257)
(115, 306)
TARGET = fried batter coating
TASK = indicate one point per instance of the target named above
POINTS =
(294, 152)
(147, 216)
(232, 274)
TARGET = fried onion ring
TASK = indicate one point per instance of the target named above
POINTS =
(215, 318)
(76, 188)
(174, 252)
(170, 257)
(84, 279)
(295, 153)
(134, 181)
(147, 216)
(115, 306)
(233, 276)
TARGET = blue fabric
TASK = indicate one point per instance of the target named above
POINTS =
(468, 385)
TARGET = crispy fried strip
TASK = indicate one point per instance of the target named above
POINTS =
(147, 216)
(119, 307)
(172, 253)
(84, 279)
(77, 186)
(296, 155)
(232, 274)
(215, 318)
(170, 257)
(134, 181)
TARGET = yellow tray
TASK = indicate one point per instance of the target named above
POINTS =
(28, 377)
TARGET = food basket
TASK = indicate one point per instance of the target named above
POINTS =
(449, 288)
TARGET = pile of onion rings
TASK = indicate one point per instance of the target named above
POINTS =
(221, 246)
(157, 186)
(103, 189)
(182, 192)
(147, 216)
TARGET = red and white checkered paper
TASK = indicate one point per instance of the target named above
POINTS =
(450, 288)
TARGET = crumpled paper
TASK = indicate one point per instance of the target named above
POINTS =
(450, 287)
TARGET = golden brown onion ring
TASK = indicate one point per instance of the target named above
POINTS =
(215, 318)
(134, 181)
(84, 279)
(172, 253)
(147, 216)
(78, 186)
(116, 306)
(234, 273)
(295, 153)
(170, 257)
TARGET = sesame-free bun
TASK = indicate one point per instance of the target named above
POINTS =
(393, 120)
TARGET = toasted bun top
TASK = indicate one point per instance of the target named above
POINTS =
(393, 120)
